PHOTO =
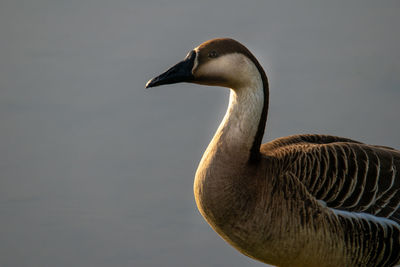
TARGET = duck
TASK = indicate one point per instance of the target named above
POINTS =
(302, 200)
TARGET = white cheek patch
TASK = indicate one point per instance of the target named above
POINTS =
(235, 67)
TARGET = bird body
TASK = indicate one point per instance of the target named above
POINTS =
(302, 200)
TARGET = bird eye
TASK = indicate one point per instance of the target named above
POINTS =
(212, 54)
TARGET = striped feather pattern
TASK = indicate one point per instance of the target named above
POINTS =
(378, 245)
(346, 174)
(303, 200)
(359, 183)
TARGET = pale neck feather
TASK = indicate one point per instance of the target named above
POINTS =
(236, 133)
(228, 154)
(229, 151)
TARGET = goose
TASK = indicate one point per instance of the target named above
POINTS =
(303, 200)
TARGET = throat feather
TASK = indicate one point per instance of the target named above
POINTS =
(238, 130)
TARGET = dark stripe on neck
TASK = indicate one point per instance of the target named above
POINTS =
(255, 154)
(227, 46)
(255, 148)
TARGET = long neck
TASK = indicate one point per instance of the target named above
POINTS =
(240, 133)
(235, 145)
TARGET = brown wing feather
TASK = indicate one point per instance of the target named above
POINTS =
(346, 174)
(304, 139)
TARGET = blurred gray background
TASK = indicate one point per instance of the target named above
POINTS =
(97, 171)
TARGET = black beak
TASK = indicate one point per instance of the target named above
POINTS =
(181, 72)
